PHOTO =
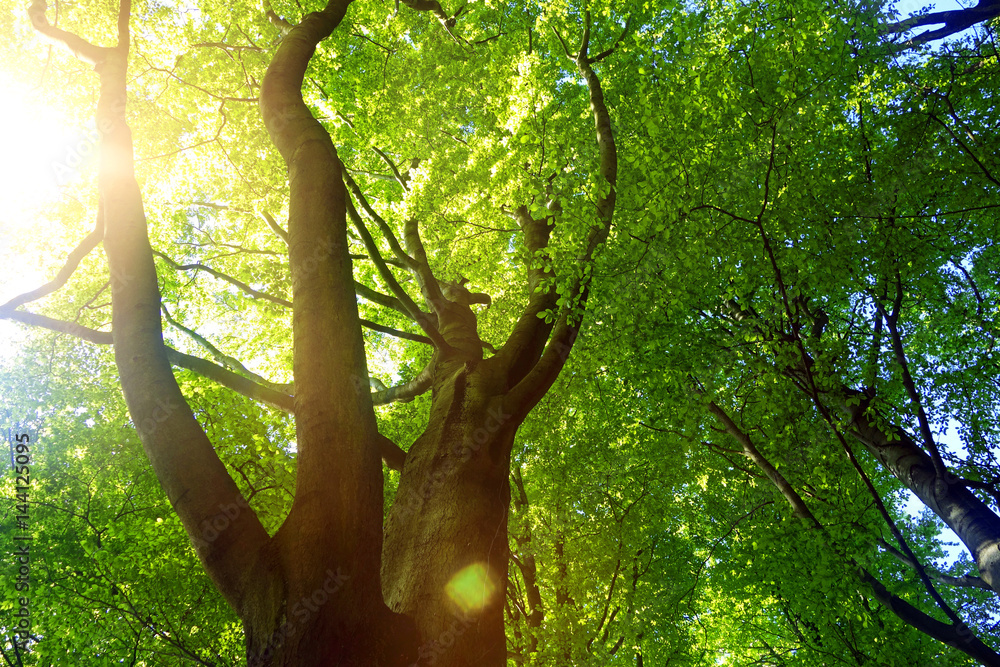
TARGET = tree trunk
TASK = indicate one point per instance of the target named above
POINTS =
(445, 556)
(972, 520)
(316, 594)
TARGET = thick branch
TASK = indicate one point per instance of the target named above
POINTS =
(190, 472)
(528, 334)
(527, 340)
(971, 519)
(230, 380)
(536, 383)
(336, 518)
(284, 27)
(430, 6)
(958, 636)
(799, 507)
(954, 21)
(59, 326)
(408, 391)
(78, 46)
(442, 16)
(391, 453)
(429, 285)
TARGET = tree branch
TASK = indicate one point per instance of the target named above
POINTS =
(392, 167)
(545, 371)
(283, 26)
(78, 46)
(230, 380)
(965, 581)
(396, 332)
(412, 310)
(408, 391)
(59, 326)
(429, 286)
(387, 233)
(275, 227)
(222, 276)
(72, 262)
(224, 359)
(956, 634)
(374, 296)
(954, 21)
(262, 391)
(187, 466)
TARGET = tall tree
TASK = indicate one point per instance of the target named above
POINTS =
(371, 601)
(831, 306)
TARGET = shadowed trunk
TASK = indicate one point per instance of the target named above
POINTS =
(445, 558)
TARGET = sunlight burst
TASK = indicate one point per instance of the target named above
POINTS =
(37, 154)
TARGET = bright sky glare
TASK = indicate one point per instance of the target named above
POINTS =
(34, 146)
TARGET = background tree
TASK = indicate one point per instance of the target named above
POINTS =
(790, 327)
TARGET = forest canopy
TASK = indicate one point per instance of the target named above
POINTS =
(556, 333)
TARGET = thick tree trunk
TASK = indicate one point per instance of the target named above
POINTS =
(445, 556)
(325, 557)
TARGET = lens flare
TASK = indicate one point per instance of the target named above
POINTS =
(472, 588)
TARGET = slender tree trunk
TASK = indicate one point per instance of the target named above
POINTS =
(972, 520)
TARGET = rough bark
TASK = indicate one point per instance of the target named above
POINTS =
(445, 558)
